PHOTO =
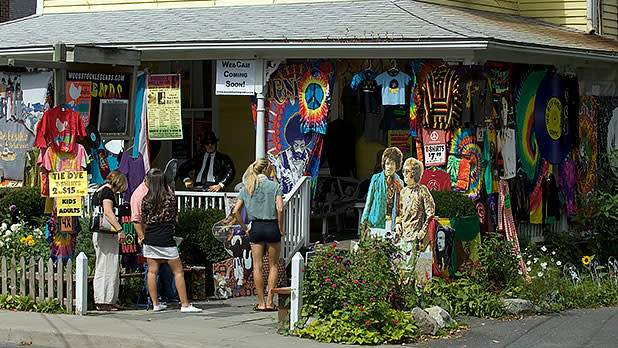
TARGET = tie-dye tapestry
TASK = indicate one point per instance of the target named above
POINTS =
(586, 156)
(292, 152)
(464, 144)
(527, 146)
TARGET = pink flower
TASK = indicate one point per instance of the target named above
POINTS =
(334, 285)
(395, 321)
(372, 299)
(328, 280)
(347, 280)
(360, 309)
(364, 283)
(356, 282)
(367, 322)
(377, 283)
(361, 251)
(345, 304)
(334, 245)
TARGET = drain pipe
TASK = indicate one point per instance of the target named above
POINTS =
(592, 17)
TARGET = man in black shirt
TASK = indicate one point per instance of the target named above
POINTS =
(213, 170)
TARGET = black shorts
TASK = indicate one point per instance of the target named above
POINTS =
(264, 231)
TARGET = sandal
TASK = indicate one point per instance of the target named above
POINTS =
(258, 309)
(274, 308)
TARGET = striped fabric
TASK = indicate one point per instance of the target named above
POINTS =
(442, 103)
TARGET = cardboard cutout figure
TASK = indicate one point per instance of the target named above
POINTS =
(382, 204)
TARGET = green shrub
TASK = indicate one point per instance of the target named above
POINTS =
(497, 266)
(84, 244)
(19, 239)
(199, 246)
(27, 200)
(450, 204)
(10, 302)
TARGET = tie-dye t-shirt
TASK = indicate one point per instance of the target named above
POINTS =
(56, 161)
(59, 128)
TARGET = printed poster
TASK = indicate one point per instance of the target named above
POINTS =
(434, 146)
(22, 103)
(164, 110)
(78, 98)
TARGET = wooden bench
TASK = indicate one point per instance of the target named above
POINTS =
(284, 303)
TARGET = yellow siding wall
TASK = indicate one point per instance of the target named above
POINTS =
(571, 13)
(503, 6)
(610, 19)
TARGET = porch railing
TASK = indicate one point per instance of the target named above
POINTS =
(297, 211)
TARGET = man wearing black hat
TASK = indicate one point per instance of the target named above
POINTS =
(213, 170)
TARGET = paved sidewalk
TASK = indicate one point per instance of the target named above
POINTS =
(228, 323)
(232, 323)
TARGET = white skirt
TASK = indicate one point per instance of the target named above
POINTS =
(157, 252)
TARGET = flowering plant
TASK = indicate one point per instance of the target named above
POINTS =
(19, 239)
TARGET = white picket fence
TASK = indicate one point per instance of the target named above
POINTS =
(38, 280)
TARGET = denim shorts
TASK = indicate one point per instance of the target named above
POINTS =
(264, 231)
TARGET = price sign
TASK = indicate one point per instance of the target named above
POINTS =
(435, 154)
(68, 184)
(69, 206)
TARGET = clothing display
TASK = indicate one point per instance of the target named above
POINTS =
(506, 223)
(506, 145)
(442, 103)
(567, 179)
(62, 235)
(477, 98)
(59, 128)
(32, 171)
(436, 180)
(133, 169)
(314, 99)
(56, 161)
(393, 84)
(464, 145)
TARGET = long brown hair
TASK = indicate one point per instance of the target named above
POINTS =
(250, 176)
(157, 188)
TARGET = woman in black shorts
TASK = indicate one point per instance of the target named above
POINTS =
(264, 202)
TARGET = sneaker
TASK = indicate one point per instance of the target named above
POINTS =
(190, 309)
(159, 308)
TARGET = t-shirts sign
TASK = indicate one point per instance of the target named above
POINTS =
(434, 144)
(235, 77)
(68, 184)
(164, 114)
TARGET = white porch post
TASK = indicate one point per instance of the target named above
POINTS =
(260, 132)
(81, 284)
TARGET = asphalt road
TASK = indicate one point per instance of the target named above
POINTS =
(596, 328)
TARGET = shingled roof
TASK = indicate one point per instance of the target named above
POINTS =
(369, 21)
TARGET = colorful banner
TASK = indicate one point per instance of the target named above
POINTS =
(400, 139)
(22, 103)
(69, 206)
(78, 98)
(164, 111)
(68, 184)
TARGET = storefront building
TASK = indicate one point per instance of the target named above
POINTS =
(189, 37)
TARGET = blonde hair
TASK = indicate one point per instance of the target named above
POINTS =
(117, 180)
(416, 167)
(254, 169)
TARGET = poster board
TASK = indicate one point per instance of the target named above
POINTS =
(164, 107)
(78, 97)
(113, 116)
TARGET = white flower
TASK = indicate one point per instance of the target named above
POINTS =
(1, 244)
(544, 248)
(520, 272)
(536, 259)
(528, 263)
(3, 227)
(553, 252)
(528, 269)
(540, 274)
(15, 227)
(7, 233)
(38, 232)
(558, 263)
(543, 265)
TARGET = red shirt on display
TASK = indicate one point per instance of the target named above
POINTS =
(436, 180)
(59, 127)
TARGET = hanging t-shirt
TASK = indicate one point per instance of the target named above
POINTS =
(393, 87)
(477, 98)
(436, 180)
(434, 146)
(60, 128)
(56, 161)
(506, 146)
(133, 170)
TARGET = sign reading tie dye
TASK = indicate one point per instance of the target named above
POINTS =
(313, 97)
